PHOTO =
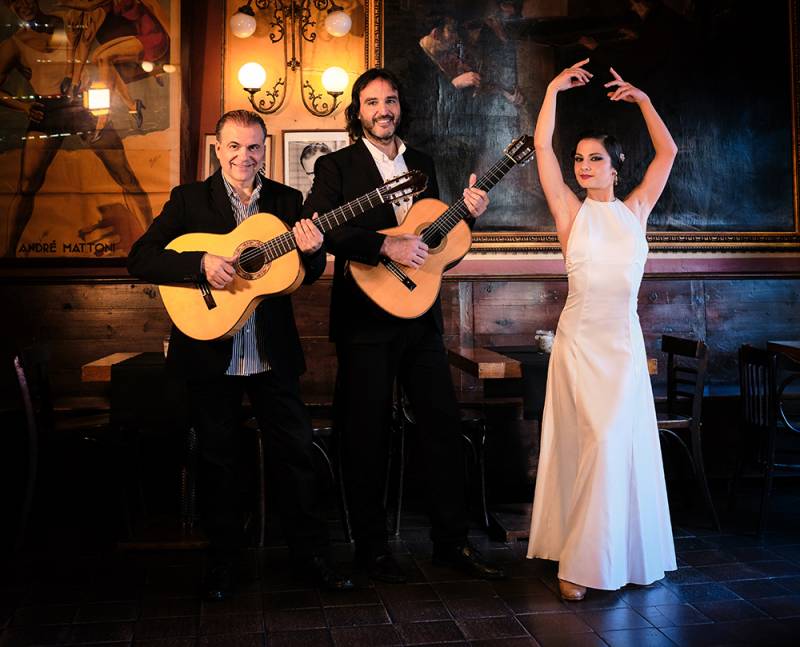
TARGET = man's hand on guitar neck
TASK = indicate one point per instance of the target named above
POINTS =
(406, 249)
(219, 270)
(307, 235)
(476, 199)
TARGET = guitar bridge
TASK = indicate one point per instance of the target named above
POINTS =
(399, 274)
(205, 290)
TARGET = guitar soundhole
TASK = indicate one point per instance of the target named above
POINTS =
(434, 239)
(252, 263)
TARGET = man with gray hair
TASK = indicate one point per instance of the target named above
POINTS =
(264, 359)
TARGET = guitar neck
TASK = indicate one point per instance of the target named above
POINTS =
(285, 243)
(458, 211)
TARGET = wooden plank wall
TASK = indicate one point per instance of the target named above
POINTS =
(84, 321)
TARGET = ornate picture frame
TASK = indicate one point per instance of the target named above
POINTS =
(743, 174)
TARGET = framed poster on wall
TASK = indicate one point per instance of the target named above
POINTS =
(83, 179)
(301, 148)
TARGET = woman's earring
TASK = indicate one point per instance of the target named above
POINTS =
(616, 179)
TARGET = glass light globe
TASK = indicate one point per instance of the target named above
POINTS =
(168, 68)
(242, 25)
(252, 76)
(147, 66)
(338, 23)
(97, 98)
(335, 79)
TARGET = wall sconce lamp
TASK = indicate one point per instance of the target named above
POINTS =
(290, 21)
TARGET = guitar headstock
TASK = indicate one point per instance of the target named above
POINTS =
(521, 150)
(404, 186)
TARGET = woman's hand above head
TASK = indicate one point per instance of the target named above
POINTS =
(572, 77)
(624, 91)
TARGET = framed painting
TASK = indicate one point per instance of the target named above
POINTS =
(475, 74)
(210, 162)
(90, 127)
(301, 148)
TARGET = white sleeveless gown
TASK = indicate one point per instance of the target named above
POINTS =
(600, 507)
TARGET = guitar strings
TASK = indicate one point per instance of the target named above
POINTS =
(456, 213)
(285, 242)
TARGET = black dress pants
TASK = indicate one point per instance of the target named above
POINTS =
(286, 425)
(363, 407)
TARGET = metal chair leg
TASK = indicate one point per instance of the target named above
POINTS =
(262, 489)
(697, 453)
(401, 460)
(189, 483)
(345, 510)
(482, 474)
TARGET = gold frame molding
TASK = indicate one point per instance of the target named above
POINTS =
(524, 242)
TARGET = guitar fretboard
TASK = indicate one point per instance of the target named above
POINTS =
(285, 242)
(458, 211)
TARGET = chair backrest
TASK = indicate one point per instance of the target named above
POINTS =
(687, 362)
(757, 386)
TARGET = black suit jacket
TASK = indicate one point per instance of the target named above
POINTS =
(205, 207)
(338, 178)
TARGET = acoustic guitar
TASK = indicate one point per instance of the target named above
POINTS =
(267, 264)
(408, 292)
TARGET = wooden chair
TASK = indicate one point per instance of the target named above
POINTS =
(43, 419)
(474, 432)
(764, 421)
(679, 418)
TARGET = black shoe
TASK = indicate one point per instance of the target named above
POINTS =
(319, 569)
(218, 584)
(468, 560)
(382, 567)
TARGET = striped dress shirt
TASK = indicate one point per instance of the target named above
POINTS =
(248, 355)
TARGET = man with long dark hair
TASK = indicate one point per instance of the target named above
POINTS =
(375, 348)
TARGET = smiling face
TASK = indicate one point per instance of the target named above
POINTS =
(379, 110)
(593, 168)
(240, 150)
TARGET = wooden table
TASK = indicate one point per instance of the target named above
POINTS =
(151, 534)
(503, 375)
(484, 363)
(503, 381)
(100, 369)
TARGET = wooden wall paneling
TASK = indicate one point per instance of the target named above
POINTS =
(510, 312)
(749, 311)
(465, 336)
(84, 321)
(671, 307)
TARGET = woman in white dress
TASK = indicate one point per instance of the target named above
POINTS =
(600, 507)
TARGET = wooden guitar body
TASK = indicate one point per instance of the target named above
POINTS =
(395, 296)
(220, 313)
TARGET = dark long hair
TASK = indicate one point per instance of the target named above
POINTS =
(609, 142)
(351, 113)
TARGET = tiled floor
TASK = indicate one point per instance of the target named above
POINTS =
(730, 589)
